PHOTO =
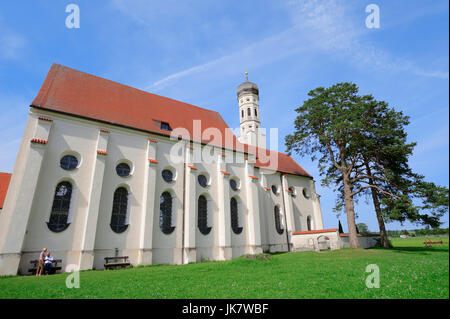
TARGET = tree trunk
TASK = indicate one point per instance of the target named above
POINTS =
(350, 211)
(384, 238)
(376, 203)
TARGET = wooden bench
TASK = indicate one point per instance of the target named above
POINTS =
(116, 262)
(35, 263)
(431, 243)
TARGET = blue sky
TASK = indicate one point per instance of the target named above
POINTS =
(198, 51)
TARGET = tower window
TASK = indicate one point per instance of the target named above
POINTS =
(242, 113)
(60, 208)
(249, 112)
(256, 113)
(119, 211)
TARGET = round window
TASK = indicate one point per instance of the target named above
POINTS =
(167, 175)
(202, 180)
(69, 162)
(306, 192)
(292, 191)
(234, 185)
(123, 169)
(275, 189)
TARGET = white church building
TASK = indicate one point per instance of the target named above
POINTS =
(104, 169)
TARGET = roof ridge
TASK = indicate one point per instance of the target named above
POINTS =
(58, 67)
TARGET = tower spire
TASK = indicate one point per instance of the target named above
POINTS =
(246, 76)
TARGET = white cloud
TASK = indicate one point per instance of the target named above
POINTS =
(437, 140)
(12, 44)
(317, 26)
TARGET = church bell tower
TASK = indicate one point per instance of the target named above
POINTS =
(250, 124)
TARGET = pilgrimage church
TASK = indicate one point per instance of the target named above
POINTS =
(104, 169)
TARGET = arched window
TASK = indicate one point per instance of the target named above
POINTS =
(242, 113)
(249, 112)
(165, 213)
(203, 215)
(60, 207)
(278, 220)
(119, 211)
(308, 223)
(235, 216)
(256, 112)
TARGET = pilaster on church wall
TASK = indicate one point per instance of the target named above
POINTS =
(10, 239)
(253, 222)
(287, 195)
(223, 191)
(317, 208)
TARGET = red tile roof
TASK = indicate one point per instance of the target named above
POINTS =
(4, 184)
(286, 164)
(69, 91)
(329, 230)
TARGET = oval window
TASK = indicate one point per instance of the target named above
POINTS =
(292, 191)
(202, 180)
(69, 162)
(167, 175)
(275, 189)
(234, 185)
(306, 193)
(123, 169)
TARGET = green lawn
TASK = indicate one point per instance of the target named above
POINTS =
(407, 271)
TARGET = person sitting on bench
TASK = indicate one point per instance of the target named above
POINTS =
(48, 265)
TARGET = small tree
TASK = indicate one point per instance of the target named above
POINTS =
(363, 229)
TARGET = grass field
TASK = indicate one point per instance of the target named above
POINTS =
(409, 270)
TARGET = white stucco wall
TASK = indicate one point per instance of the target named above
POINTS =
(89, 237)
